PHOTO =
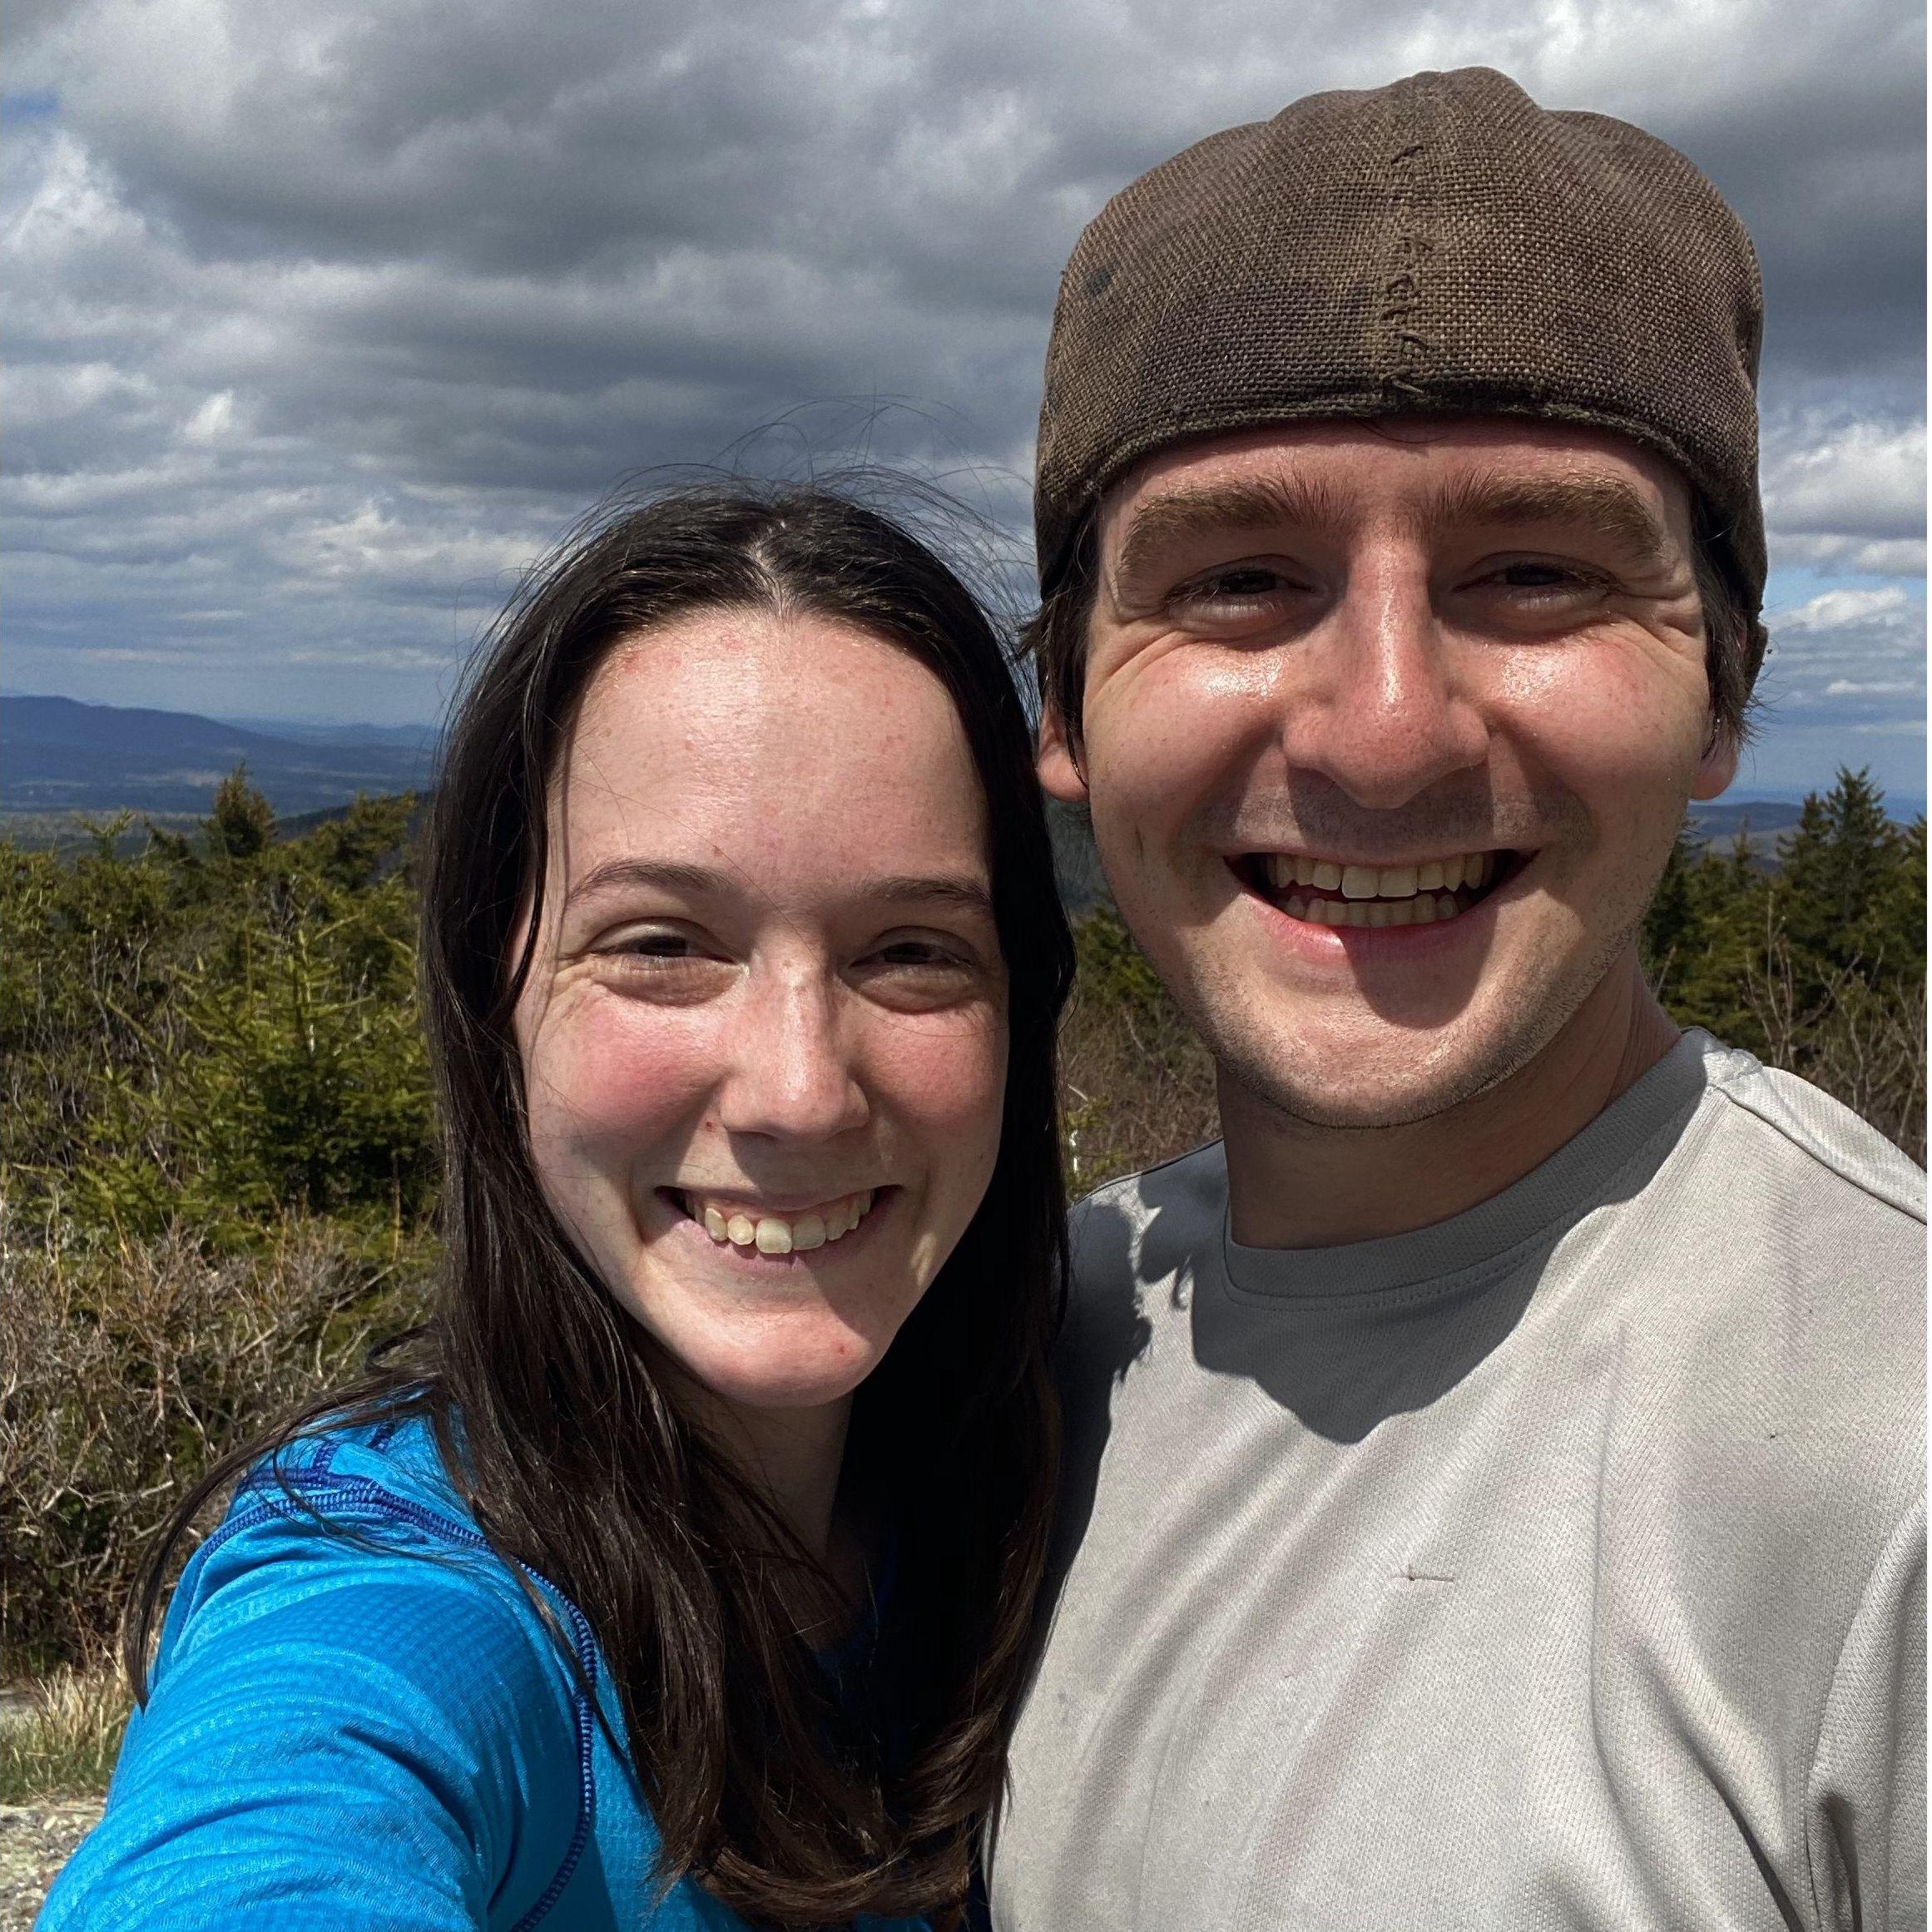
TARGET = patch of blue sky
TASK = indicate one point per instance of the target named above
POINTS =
(35, 104)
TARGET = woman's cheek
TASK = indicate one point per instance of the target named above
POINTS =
(943, 1071)
(607, 1088)
(947, 1097)
(948, 1088)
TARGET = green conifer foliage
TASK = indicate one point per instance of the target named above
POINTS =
(217, 1033)
(242, 822)
(1817, 964)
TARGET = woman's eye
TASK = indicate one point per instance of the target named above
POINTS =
(916, 974)
(913, 953)
(933, 964)
(656, 949)
(663, 963)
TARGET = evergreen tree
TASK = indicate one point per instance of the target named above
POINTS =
(1673, 928)
(243, 822)
(1835, 879)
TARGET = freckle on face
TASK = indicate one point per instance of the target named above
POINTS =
(788, 762)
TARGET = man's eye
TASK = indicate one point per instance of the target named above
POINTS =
(1238, 584)
(1237, 600)
(1546, 579)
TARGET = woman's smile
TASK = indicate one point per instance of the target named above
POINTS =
(766, 1229)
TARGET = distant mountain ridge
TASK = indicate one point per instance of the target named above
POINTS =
(306, 731)
(58, 754)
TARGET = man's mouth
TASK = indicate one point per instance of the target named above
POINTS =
(1331, 892)
(743, 1224)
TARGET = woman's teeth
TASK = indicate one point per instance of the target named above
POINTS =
(781, 1234)
(1324, 892)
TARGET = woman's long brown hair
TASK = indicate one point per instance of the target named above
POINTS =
(572, 1451)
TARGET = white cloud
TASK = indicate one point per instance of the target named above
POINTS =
(1837, 611)
(214, 421)
(1855, 656)
(1847, 496)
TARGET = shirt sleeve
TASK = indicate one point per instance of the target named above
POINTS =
(337, 1738)
(1865, 1809)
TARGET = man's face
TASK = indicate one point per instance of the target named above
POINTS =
(1389, 728)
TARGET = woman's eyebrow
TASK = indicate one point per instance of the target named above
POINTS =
(951, 888)
(669, 876)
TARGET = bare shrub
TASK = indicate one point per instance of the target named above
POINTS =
(1137, 1086)
(1858, 1033)
(126, 1369)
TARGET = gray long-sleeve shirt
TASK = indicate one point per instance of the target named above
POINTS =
(1561, 1565)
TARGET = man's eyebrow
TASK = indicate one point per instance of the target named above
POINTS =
(961, 889)
(1177, 516)
(1605, 504)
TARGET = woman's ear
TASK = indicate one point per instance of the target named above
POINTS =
(1060, 774)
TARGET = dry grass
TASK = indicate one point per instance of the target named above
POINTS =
(64, 1745)
(125, 1371)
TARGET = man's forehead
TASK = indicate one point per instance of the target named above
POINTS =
(1434, 471)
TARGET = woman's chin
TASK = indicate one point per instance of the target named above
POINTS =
(788, 1380)
(759, 1334)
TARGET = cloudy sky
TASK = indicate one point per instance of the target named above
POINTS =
(322, 320)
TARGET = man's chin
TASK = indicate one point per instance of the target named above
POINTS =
(1362, 1089)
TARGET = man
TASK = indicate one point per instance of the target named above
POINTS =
(1494, 1494)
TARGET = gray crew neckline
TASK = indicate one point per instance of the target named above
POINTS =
(1574, 1179)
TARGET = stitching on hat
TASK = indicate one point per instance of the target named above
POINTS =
(1402, 290)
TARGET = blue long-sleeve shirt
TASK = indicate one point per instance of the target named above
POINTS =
(345, 1734)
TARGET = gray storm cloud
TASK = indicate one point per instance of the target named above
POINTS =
(322, 321)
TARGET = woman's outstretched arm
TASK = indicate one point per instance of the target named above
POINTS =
(338, 1736)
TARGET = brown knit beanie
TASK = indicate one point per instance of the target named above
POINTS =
(1441, 244)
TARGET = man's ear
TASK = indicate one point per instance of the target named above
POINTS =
(1060, 774)
(1718, 767)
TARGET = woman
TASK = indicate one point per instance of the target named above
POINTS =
(681, 1574)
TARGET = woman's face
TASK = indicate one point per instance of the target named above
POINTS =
(764, 1036)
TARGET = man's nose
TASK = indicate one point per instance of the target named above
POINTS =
(1380, 701)
(791, 1074)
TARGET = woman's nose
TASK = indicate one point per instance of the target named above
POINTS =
(791, 1074)
(1378, 702)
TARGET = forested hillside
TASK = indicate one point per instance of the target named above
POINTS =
(217, 1161)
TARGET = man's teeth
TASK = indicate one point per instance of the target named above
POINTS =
(1286, 870)
(1425, 908)
(1372, 895)
(783, 1234)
